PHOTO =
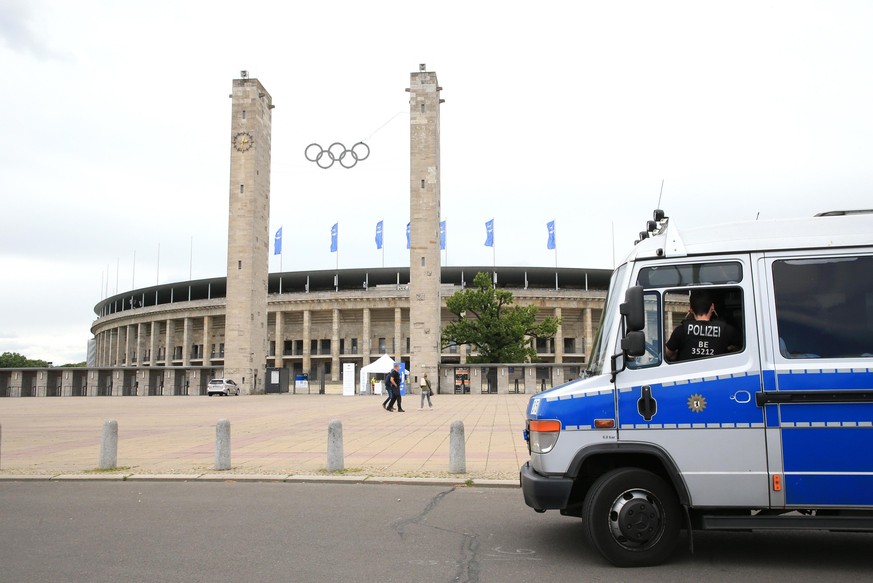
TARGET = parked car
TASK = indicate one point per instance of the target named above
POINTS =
(222, 387)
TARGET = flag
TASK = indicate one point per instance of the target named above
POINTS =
(379, 235)
(442, 235)
(551, 227)
(334, 235)
(277, 242)
(489, 233)
(407, 235)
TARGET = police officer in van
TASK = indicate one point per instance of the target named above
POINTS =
(700, 335)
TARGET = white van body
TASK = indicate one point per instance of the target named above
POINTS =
(775, 433)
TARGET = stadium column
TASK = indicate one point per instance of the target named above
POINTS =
(307, 342)
(424, 218)
(365, 332)
(245, 357)
(140, 344)
(154, 343)
(186, 341)
(280, 342)
(334, 346)
(207, 343)
(587, 330)
(558, 348)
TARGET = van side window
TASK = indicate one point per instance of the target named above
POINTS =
(712, 324)
(688, 274)
(824, 307)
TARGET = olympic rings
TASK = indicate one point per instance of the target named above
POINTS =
(337, 151)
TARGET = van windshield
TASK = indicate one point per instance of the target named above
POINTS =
(608, 319)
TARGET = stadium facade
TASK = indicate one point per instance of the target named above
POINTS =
(319, 320)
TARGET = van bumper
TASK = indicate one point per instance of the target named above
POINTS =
(542, 492)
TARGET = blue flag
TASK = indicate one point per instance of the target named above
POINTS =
(334, 235)
(407, 235)
(442, 235)
(277, 242)
(489, 233)
(551, 227)
(379, 235)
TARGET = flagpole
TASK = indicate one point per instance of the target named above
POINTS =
(191, 259)
(133, 276)
(556, 267)
(281, 256)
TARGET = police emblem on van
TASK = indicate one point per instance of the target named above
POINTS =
(697, 402)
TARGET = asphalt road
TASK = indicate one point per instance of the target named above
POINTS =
(232, 531)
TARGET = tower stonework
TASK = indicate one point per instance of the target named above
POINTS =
(245, 351)
(424, 228)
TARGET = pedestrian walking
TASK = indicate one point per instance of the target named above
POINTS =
(388, 390)
(426, 391)
(394, 383)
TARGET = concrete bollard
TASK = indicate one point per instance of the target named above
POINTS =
(457, 453)
(109, 445)
(335, 462)
(222, 445)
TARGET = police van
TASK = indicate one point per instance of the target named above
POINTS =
(765, 423)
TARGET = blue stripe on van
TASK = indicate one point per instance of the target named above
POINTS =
(818, 490)
(725, 401)
(825, 379)
(832, 449)
(771, 414)
(576, 411)
(768, 378)
(836, 414)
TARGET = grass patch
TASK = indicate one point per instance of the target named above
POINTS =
(109, 470)
(343, 472)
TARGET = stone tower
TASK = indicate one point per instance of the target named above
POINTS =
(424, 228)
(248, 237)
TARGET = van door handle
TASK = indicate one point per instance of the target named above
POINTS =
(647, 406)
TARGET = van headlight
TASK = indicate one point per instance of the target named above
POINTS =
(544, 435)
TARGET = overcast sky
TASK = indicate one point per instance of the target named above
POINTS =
(116, 132)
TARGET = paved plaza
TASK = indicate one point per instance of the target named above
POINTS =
(272, 436)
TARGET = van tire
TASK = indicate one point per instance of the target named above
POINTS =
(646, 506)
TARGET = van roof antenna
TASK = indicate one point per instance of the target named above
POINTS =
(660, 194)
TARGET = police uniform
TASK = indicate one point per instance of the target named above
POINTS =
(701, 338)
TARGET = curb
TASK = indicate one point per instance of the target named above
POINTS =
(286, 478)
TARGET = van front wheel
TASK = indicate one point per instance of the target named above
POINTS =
(632, 518)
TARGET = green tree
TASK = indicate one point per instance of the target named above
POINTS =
(500, 331)
(15, 360)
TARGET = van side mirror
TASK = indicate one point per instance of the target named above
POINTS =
(632, 309)
(634, 343)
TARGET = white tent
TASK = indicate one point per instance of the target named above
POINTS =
(383, 365)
